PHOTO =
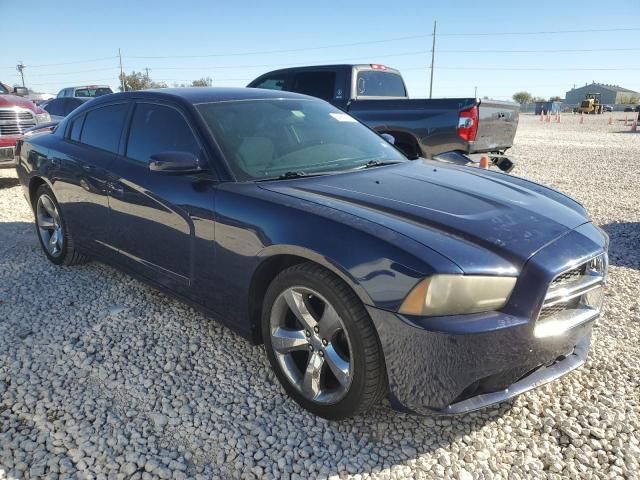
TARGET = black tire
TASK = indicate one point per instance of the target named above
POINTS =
(68, 254)
(369, 378)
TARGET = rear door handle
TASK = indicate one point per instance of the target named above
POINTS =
(88, 168)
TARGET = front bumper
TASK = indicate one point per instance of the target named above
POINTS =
(460, 363)
(7, 152)
(435, 372)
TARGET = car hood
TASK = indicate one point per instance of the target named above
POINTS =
(466, 214)
(16, 101)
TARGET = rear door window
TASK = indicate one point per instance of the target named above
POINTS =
(156, 129)
(379, 84)
(317, 84)
(103, 127)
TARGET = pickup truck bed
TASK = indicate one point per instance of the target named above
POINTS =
(376, 95)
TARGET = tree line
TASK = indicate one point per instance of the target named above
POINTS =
(141, 81)
(526, 97)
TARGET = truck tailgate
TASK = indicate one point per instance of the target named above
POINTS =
(497, 126)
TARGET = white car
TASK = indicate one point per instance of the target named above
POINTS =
(87, 91)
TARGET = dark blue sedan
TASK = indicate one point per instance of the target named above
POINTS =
(365, 275)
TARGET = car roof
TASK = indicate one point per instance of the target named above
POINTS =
(195, 95)
(357, 66)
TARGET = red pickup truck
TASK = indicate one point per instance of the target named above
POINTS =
(16, 115)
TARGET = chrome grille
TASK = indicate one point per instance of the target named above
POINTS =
(574, 297)
(14, 121)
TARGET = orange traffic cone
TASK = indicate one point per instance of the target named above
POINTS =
(484, 162)
(548, 117)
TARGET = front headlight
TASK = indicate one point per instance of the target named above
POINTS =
(457, 294)
(43, 117)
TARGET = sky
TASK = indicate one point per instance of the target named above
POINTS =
(491, 45)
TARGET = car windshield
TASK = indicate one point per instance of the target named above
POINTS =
(3, 89)
(269, 138)
(92, 92)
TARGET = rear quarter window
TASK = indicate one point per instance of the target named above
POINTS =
(76, 128)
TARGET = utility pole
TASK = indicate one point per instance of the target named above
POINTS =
(433, 54)
(123, 86)
(475, 94)
(146, 76)
(20, 67)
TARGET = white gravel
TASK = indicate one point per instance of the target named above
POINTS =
(103, 377)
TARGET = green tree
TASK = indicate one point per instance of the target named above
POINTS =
(522, 97)
(555, 98)
(633, 100)
(139, 81)
(203, 82)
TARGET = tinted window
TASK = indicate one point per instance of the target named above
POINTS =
(70, 104)
(76, 128)
(316, 84)
(103, 127)
(55, 107)
(380, 84)
(272, 83)
(157, 129)
(2, 89)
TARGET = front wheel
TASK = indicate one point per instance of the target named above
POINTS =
(321, 343)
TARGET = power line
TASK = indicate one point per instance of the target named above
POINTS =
(547, 32)
(544, 50)
(72, 63)
(412, 37)
(265, 52)
(538, 69)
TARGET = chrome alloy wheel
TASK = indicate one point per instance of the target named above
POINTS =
(311, 345)
(49, 226)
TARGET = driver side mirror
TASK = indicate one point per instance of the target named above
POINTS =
(21, 91)
(174, 163)
(389, 138)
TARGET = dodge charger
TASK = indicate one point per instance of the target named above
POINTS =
(365, 275)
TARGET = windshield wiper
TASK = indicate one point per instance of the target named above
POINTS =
(293, 174)
(377, 163)
(289, 175)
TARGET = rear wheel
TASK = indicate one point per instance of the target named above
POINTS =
(55, 238)
(321, 343)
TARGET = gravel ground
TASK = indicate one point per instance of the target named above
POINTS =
(103, 377)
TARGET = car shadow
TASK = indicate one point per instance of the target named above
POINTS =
(8, 182)
(150, 367)
(624, 247)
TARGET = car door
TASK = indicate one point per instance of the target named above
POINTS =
(161, 222)
(91, 142)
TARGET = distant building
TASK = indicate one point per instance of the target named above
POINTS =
(609, 94)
